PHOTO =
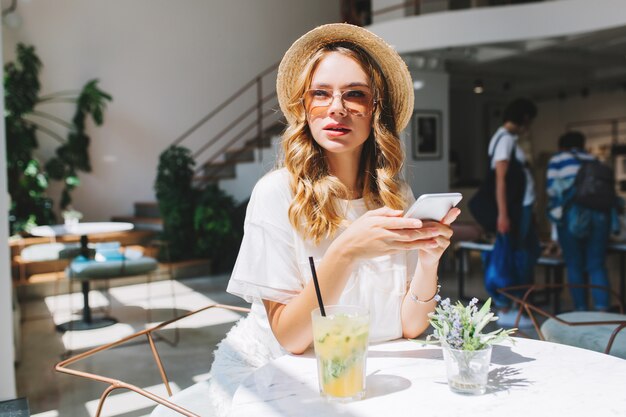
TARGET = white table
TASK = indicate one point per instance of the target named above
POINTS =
(84, 230)
(531, 378)
(80, 229)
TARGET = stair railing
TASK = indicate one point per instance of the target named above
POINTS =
(413, 7)
(221, 140)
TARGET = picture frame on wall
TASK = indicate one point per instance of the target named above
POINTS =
(426, 134)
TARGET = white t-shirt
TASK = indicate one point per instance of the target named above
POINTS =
(273, 262)
(503, 153)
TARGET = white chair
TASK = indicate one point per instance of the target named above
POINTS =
(195, 399)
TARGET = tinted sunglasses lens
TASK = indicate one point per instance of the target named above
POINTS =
(358, 102)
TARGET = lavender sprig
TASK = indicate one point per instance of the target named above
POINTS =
(460, 327)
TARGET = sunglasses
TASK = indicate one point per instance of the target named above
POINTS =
(357, 102)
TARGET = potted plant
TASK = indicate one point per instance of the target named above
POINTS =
(71, 216)
(466, 349)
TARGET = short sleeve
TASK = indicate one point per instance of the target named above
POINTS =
(503, 148)
(266, 267)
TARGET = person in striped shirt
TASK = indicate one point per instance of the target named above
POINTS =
(581, 252)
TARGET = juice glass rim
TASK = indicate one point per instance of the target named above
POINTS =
(359, 310)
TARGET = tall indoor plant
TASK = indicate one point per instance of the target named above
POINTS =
(27, 176)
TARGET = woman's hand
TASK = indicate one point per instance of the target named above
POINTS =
(504, 223)
(439, 240)
(384, 231)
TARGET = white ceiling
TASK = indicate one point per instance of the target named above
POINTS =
(539, 68)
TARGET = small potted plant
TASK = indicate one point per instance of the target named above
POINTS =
(466, 350)
(71, 216)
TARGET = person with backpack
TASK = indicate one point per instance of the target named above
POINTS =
(515, 197)
(581, 193)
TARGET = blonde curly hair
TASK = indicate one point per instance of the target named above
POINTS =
(314, 212)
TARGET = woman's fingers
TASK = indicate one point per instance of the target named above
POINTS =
(452, 215)
(427, 244)
(409, 235)
(440, 228)
(399, 223)
(385, 211)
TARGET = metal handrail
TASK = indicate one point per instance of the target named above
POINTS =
(224, 104)
(416, 4)
(403, 5)
(232, 124)
(239, 136)
(114, 384)
(257, 82)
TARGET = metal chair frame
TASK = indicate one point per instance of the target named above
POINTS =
(116, 384)
(532, 310)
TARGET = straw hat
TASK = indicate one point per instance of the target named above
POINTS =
(393, 67)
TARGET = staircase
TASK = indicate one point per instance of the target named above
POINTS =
(236, 175)
(242, 151)
(145, 217)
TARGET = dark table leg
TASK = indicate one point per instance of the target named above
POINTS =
(84, 246)
(622, 277)
(86, 309)
(87, 322)
(558, 279)
(462, 257)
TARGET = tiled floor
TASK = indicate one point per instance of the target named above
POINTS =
(51, 394)
(55, 395)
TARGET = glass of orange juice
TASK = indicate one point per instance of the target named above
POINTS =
(340, 340)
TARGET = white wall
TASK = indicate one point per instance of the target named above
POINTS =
(429, 176)
(555, 115)
(166, 63)
(7, 355)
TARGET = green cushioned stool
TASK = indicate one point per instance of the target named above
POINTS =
(85, 270)
(590, 336)
(88, 270)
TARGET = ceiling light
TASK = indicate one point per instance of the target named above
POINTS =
(479, 87)
(433, 63)
(418, 84)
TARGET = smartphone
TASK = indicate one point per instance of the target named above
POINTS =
(433, 206)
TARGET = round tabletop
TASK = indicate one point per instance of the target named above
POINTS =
(405, 378)
(80, 229)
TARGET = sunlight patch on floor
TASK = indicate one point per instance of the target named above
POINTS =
(51, 413)
(129, 305)
(129, 401)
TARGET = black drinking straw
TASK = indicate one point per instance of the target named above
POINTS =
(317, 287)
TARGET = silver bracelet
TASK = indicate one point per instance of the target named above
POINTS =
(418, 301)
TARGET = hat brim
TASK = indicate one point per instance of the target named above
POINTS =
(394, 69)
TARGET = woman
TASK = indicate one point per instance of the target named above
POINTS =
(515, 198)
(346, 94)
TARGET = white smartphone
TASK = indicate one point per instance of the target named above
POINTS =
(433, 206)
